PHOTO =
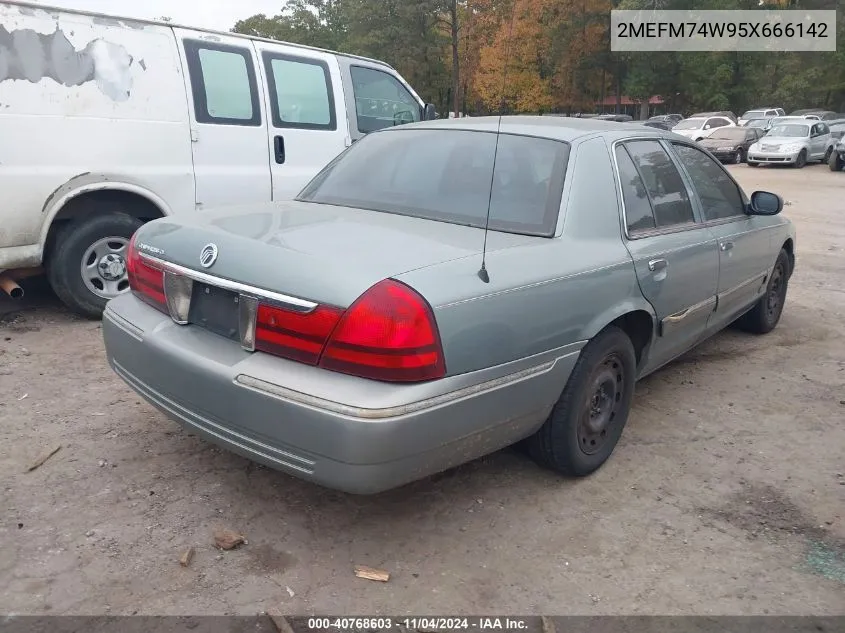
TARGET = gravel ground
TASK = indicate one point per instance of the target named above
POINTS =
(726, 494)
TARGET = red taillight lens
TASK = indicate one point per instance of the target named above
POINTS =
(388, 334)
(145, 280)
(295, 335)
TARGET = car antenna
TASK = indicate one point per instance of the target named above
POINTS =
(483, 275)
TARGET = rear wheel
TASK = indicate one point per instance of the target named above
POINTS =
(835, 161)
(801, 160)
(738, 157)
(87, 264)
(765, 314)
(587, 421)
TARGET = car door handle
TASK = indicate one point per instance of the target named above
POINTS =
(726, 246)
(657, 264)
(279, 149)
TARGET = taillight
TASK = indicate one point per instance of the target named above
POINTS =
(295, 335)
(145, 280)
(388, 334)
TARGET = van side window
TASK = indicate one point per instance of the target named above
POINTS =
(223, 84)
(381, 100)
(301, 93)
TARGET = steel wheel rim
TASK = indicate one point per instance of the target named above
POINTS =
(774, 299)
(600, 411)
(103, 267)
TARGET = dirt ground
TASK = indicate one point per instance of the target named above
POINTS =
(726, 494)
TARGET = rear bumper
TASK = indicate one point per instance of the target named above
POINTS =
(342, 432)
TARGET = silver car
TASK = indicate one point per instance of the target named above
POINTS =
(792, 141)
(372, 332)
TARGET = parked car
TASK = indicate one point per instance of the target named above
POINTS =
(619, 118)
(660, 125)
(762, 124)
(792, 141)
(359, 337)
(818, 115)
(671, 119)
(760, 113)
(698, 128)
(110, 132)
(725, 113)
(731, 144)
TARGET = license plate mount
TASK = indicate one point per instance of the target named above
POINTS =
(216, 310)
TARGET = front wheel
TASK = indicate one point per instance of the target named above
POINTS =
(835, 161)
(827, 155)
(587, 421)
(87, 265)
(738, 157)
(765, 314)
(801, 160)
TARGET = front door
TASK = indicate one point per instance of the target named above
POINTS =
(308, 122)
(675, 257)
(744, 240)
(228, 124)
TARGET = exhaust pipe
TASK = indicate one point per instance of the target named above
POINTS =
(8, 285)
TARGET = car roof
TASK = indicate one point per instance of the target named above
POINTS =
(559, 128)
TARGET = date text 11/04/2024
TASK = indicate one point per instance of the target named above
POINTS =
(418, 623)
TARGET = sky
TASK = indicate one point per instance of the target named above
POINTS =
(220, 15)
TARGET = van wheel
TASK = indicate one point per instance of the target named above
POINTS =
(587, 421)
(87, 265)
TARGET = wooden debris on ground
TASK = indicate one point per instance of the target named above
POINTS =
(370, 573)
(40, 461)
(228, 539)
(186, 557)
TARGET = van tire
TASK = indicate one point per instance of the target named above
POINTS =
(563, 443)
(90, 236)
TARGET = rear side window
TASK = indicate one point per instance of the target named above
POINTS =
(719, 195)
(381, 100)
(638, 212)
(448, 177)
(300, 92)
(223, 84)
(666, 189)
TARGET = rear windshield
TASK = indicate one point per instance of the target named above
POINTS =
(447, 175)
(690, 124)
(754, 114)
(730, 134)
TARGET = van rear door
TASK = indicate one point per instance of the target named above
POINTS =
(308, 124)
(228, 121)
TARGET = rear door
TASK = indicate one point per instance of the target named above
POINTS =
(675, 256)
(308, 121)
(743, 240)
(228, 123)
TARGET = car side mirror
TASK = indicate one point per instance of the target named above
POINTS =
(707, 127)
(765, 203)
(429, 112)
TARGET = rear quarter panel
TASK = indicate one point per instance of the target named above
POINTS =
(87, 99)
(545, 295)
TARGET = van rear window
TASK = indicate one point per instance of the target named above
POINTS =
(447, 175)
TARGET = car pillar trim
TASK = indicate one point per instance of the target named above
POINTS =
(314, 402)
(292, 303)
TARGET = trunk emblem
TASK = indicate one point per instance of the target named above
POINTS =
(208, 255)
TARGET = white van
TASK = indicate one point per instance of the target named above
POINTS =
(107, 122)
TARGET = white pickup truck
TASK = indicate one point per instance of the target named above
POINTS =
(108, 122)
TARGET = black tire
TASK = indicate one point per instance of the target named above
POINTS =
(738, 157)
(835, 162)
(827, 155)
(607, 360)
(64, 262)
(753, 164)
(764, 316)
(699, 139)
(801, 160)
